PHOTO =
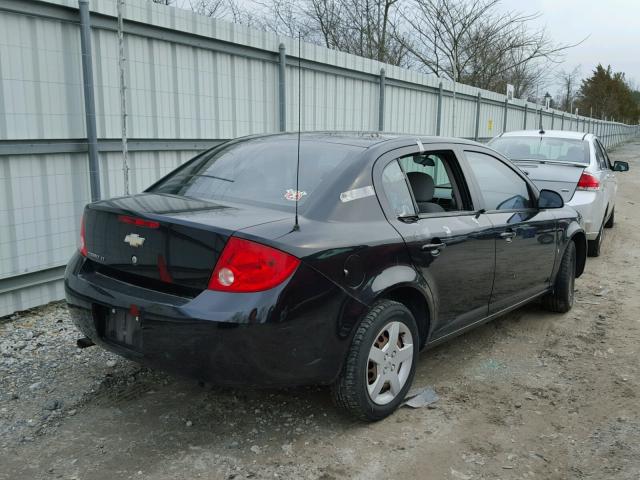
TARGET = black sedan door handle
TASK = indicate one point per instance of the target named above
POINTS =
(433, 246)
(508, 235)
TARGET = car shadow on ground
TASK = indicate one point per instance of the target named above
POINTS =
(167, 400)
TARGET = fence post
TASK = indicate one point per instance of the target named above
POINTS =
(553, 118)
(526, 112)
(506, 113)
(613, 131)
(89, 99)
(282, 88)
(540, 116)
(478, 102)
(439, 112)
(562, 121)
(381, 101)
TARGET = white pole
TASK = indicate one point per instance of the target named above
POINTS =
(453, 111)
(123, 99)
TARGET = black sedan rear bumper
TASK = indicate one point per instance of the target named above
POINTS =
(295, 334)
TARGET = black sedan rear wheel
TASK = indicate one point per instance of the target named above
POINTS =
(561, 299)
(380, 364)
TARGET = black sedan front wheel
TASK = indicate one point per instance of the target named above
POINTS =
(561, 299)
(381, 362)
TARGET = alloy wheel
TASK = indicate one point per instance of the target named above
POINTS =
(389, 363)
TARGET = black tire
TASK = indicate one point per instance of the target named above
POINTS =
(611, 220)
(561, 299)
(350, 391)
(594, 246)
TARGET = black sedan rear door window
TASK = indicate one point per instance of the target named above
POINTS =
(431, 177)
(397, 191)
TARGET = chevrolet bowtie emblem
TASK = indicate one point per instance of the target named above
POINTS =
(134, 240)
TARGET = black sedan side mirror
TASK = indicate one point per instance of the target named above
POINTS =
(619, 166)
(550, 199)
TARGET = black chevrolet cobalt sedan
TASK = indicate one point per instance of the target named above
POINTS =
(401, 242)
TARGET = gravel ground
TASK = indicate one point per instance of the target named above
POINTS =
(531, 395)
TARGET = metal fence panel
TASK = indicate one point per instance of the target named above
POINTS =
(41, 200)
(41, 79)
(409, 110)
(145, 169)
(191, 81)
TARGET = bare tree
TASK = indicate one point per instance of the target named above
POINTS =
(210, 8)
(286, 17)
(368, 28)
(243, 16)
(569, 85)
(470, 41)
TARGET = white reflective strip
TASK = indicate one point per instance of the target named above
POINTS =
(420, 146)
(357, 193)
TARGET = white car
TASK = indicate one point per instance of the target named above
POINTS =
(575, 165)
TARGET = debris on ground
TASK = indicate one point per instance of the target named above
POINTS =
(423, 397)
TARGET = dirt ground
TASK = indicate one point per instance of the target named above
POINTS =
(531, 395)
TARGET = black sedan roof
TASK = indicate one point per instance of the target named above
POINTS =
(363, 139)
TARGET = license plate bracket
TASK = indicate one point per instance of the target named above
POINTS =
(123, 328)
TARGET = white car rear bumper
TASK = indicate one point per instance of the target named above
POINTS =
(588, 205)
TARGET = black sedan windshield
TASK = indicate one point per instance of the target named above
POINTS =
(542, 148)
(260, 171)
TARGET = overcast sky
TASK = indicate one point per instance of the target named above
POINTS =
(613, 27)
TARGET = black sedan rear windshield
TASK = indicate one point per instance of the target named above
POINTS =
(260, 171)
(542, 148)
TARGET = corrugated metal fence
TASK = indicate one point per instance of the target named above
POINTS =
(191, 82)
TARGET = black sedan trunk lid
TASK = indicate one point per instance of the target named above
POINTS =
(157, 240)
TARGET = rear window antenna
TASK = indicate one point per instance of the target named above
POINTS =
(296, 225)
